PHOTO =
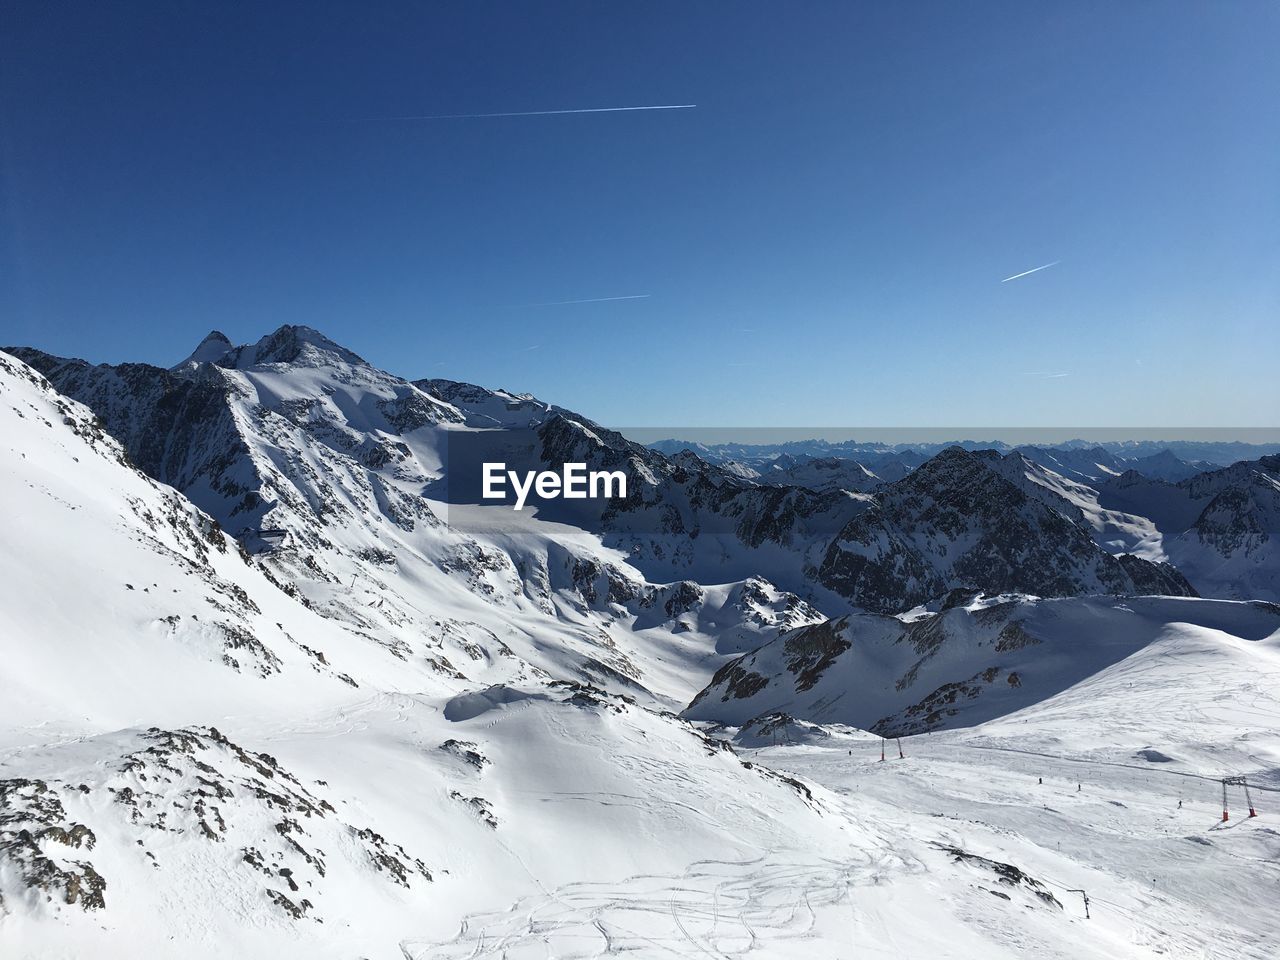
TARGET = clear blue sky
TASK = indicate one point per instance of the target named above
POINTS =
(821, 241)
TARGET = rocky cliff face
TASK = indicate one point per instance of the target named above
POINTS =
(1221, 528)
(957, 522)
(1233, 548)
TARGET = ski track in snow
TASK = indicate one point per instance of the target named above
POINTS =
(714, 909)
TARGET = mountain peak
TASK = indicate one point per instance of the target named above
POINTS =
(211, 348)
(957, 455)
(292, 344)
(973, 475)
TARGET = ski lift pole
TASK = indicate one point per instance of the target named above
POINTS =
(1085, 896)
(1240, 781)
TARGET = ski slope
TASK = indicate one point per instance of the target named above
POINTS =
(1130, 804)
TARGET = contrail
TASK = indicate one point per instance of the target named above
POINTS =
(1025, 273)
(537, 113)
(561, 303)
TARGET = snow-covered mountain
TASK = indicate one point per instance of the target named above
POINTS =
(1086, 464)
(273, 688)
(124, 582)
(1098, 464)
(959, 521)
(190, 751)
(319, 463)
(329, 466)
(1113, 530)
(1220, 527)
(1165, 465)
(1233, 548)
(978, 659)
(1166, 504)
(822, 473)
(127, 612)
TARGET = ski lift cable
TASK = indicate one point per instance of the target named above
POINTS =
(1114, 763)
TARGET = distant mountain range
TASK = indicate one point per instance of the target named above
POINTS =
(1163, 459)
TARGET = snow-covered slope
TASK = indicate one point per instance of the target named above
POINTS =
(1112, 787)
(1167, 505)
(126, 616)
(1081, 464)
(964, 665)
(1114, 530)
(119, 595)
(1220, 527)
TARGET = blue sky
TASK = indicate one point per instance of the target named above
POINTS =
(821, 241)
